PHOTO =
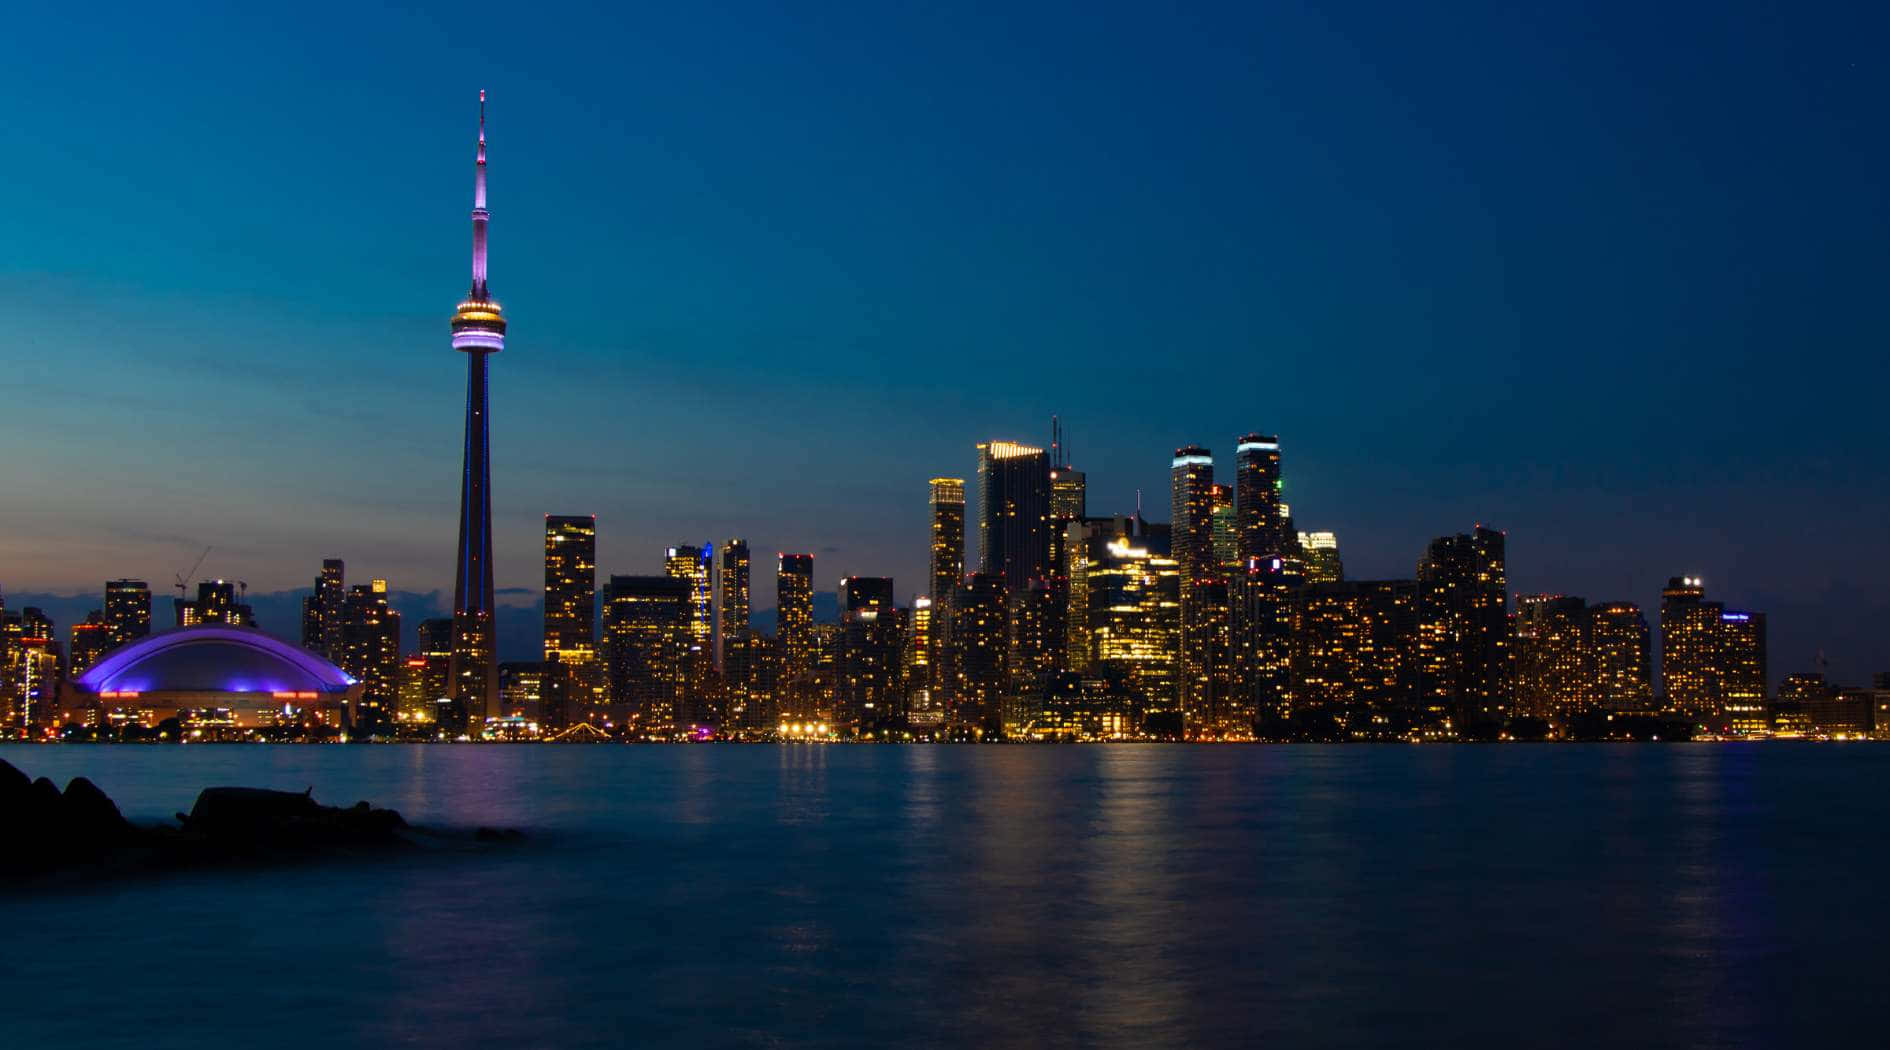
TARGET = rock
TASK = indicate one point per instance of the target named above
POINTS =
(90, 814)
(245, 811)
(13, 783)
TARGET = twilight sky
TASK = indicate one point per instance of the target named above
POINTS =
(1611, 277)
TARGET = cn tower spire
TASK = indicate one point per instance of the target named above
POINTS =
(479, 214)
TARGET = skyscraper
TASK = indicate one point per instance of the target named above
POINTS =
(370, 652)
(1689, 649)
(735, 601)
(478, 332)
(948, 538)
(794, 618)
(127, 610)
(696, 565)
(1226, 526)
(322, 610)
(978, 654)
(571, 590)
(1013, 512)
(646, 639)
(1191, 506)
(1320, 552)
(1618, 642)
(1257, 497)
(1554, 677)
(1741, 667)
(1463, 628)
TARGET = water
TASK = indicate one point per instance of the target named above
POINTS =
(808, 895)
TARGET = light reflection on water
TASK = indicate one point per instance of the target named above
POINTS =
(810, 895)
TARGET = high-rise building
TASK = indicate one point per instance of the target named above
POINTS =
(571, 589)
(29, 677)
(794, 618)
(1013, 512)
(1741, 667)
(1257, 488)
(977, 653)
(948, 537)
(647, 638)
(1037, 634)
(1226, 527)
(321, 611)
(733, 614)
(924, 698)
(739, 643)
(91, 638)
(868, 697)
(370, 653)
(858, 593)
(1263, 622)
(1463, 629)
(1209, 705)
(1320, 552)
(1191, 503)
(1069, 500)
(1618, 644)
(127, 610)
(478, 332)
(1554, 677)
(1125, 613)
(428, 685)
(1351, 656)
(696, 565)
(1689, 649)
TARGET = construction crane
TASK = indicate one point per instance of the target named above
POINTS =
(182, 583)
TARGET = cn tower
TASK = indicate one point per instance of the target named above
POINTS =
(478, 331)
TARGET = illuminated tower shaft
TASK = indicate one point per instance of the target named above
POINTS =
(478, 330)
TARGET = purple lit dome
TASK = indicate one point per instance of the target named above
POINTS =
(213, 659)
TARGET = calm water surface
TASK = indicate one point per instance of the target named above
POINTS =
(1133, 896)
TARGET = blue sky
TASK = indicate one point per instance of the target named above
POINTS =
(1608, 276)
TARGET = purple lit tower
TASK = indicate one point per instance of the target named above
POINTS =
(478, 330)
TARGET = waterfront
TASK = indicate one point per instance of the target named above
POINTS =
(814, 895)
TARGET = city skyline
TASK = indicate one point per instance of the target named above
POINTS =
(1601, 498)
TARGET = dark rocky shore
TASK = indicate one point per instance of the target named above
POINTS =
(81, 830)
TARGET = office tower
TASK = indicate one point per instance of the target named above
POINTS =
(1257, 497)
(1554, 677)
(1209, 707)
(433, 692)
(978, 654)
(868, 698)
(923, 697)
(696, 565)
(1125, 614)
(478, 332)
(1618, 646)
(1351, 655)
(1320, 552)
(370, 653)
(91, 638)
(127, 610)
(521, 695)
(1689, 649)
(321, 611)
(1191, 505)
(1226, 526)
(217, 601)
(794, 619)
(1741, 667)
(738, 641)
(571, 589)
(1069, 498)
(29, 678)
(735, 599)
(1037, 636)
(647, 638)
(1463, 629)
(1013, 512)
(1261, 626)
(948, 538)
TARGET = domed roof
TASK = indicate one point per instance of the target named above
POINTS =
(213, 658)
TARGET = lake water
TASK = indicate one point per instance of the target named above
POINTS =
(1133, 896)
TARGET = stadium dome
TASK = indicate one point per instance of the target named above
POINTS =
(239, 669)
